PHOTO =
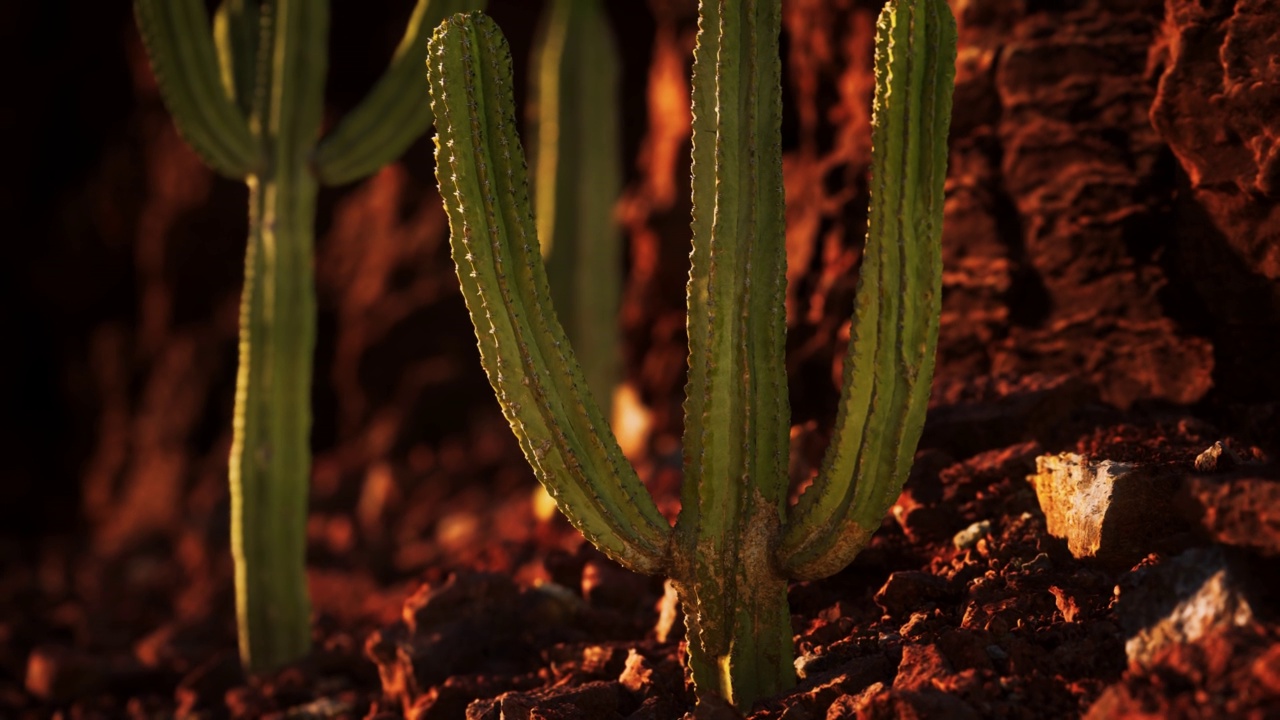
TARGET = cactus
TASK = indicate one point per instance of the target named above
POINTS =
(577, 177)
(247, 94)
(736, 544)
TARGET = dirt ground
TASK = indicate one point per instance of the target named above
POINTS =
(1112, 289)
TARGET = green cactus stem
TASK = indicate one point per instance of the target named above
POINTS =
(577, 174)
(735, 545)
(247, 94)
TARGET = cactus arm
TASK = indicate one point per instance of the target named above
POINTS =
(483, 181)
(578, 176)
(236, 27)
(889, 366)
(395, 112)
(298, 65)
(736, 413)
(270, 460)
(180, 45)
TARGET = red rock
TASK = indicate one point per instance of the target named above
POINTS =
(916, 705)
(910, 590)
(1067, 605)
(590, 701)
(1242, 511)
(636, 675)
(1267, 670)
(60, 675)
(921, 665)
(1217, 108)
(965, 649)
(1212, 61)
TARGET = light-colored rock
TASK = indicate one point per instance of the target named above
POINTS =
(970, 536)
(1112, 511)
(1181, 601)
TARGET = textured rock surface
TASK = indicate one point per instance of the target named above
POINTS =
(1181, 601)
(1112, 511)
(1218, 108)
(1241, 666)
(1241, 510)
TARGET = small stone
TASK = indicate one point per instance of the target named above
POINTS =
(636, 675)
(1181, 601)
(995, 652)
(915, 625)
(1217, 458)
(920, 665)
(60, 675)
(1066, 602)
(1114, 512)
(907, 591)
(321, 709)
(668, 613)
(970, 536)
(603, 660)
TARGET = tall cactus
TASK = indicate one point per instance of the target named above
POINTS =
(735, 544)
(577, 175)
(248, 96)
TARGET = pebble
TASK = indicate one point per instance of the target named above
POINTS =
(970, 536)
(1216, 458)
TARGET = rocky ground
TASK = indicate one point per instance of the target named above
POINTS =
(1092, 527)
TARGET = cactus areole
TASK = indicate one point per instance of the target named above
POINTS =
(736, 543)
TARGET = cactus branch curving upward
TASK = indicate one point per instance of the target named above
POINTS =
(483, 180)
(395, 112)
(889, 365)
(180, 43)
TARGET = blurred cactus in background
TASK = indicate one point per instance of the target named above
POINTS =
(248, 95)
(577, 175)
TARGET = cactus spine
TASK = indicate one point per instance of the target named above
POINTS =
(247, 94)
(735, 545)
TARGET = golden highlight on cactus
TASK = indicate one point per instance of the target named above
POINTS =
(735, 545)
